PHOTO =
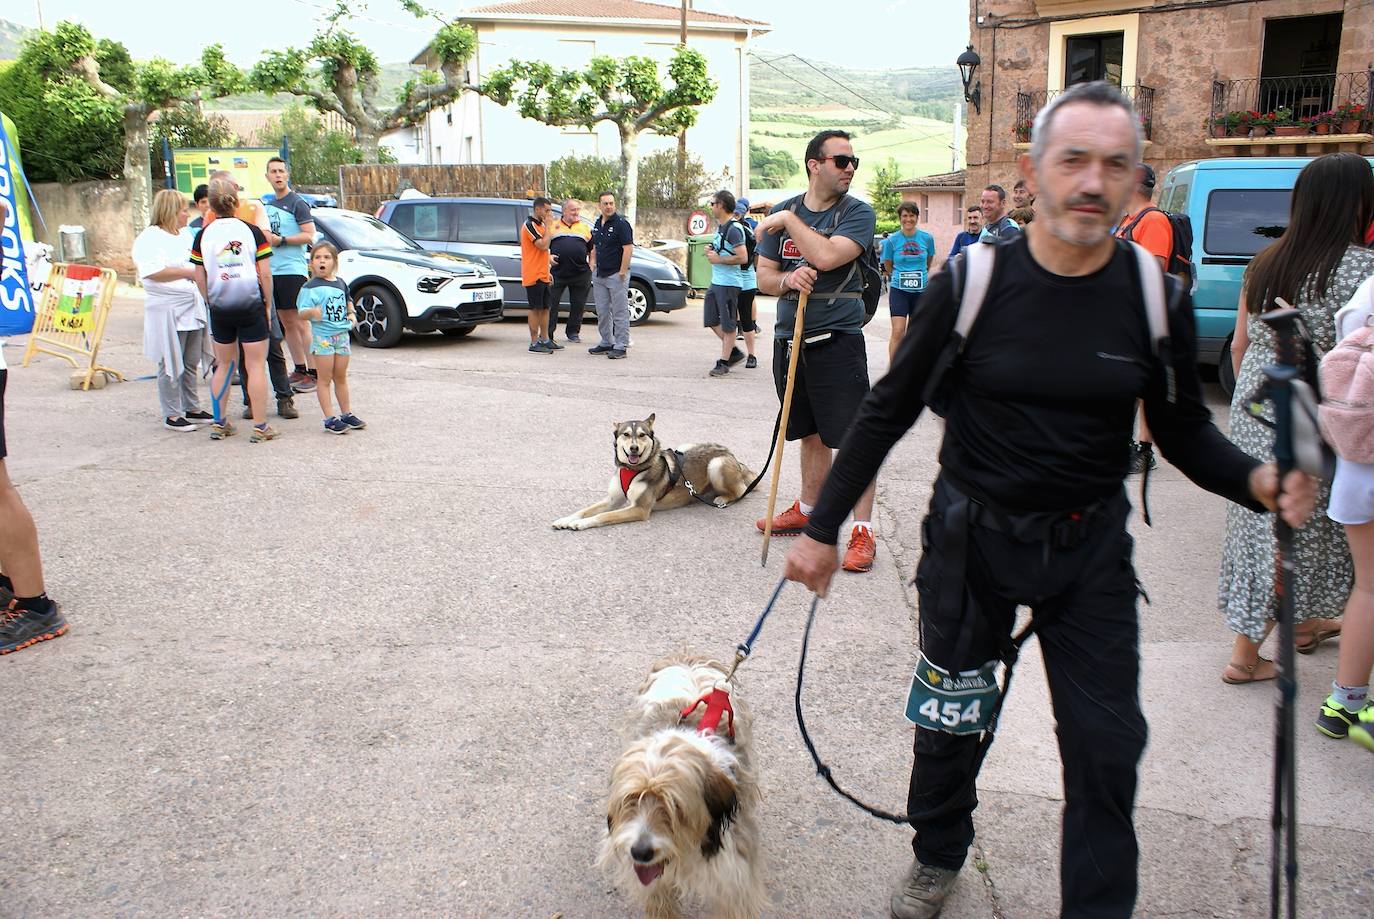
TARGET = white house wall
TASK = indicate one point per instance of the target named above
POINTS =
(476, 130)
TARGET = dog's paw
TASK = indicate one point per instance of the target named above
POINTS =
(565, 523)
(721, 502)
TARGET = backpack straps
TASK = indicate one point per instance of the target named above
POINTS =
(841, 208)
(977, 266)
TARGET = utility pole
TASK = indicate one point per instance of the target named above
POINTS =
(682, 136)
(954, 147)
(39, 5)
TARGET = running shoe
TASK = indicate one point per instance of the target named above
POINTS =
(858, 555)
(575, 339)
(601, 349)
(1362, 731)
(1142, 458)
(736, 355)
(789, 523)
(177, 424)
(20, 628)
(1335, 719)
(266, 432)
(221, 430)
(553, 344)
(286, 408)
(616, 354)
(538, 347)
(301, 382)
(335, 425)
(721, 369)
(199, 417)
(353, 421)
(751, 362)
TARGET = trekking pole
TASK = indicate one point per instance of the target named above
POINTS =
(1279, 377)
(797, 326)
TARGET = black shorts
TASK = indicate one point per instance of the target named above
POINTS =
(537, 295)
(286, 289)
(746, 310)
(832, 379)
(242, 326)
(4, 376)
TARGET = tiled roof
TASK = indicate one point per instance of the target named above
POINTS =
(940, 180)
(604, 9)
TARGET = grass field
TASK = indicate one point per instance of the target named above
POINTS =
(919, 145)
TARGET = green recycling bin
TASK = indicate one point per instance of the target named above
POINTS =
(698, 268)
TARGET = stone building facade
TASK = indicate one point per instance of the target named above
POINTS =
(1188, 65)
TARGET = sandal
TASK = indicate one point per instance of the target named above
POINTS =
(1249, 671)
(1307, 642)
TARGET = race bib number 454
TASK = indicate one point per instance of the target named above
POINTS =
(956, 703)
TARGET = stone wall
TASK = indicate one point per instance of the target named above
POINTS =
(652, 224)
(101, 207)
(1179, 53)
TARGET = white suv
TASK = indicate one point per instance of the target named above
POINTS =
(397, 285)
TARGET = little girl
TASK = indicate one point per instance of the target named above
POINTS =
(324, 301)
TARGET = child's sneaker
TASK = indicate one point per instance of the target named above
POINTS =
(353, 421)
(1335, 719)
(222, 429)
(266, 432)
(335, 425)
(1362, 731)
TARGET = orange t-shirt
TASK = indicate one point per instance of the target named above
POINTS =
(534, 261)
(250, 212)
(1153, 232)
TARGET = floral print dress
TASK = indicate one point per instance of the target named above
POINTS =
(1323, 570)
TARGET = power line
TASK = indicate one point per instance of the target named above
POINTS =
(838, 83)
(806, 86)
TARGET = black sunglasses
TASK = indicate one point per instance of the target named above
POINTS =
(842, 160)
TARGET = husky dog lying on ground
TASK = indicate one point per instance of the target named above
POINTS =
(649, 478)
(681, 821)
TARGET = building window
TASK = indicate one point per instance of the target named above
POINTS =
(1093, 57)
(958, 218)
(924, 216)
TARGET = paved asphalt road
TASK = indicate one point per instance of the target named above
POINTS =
(362, 676)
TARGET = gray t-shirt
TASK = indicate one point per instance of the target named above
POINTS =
(840, 314)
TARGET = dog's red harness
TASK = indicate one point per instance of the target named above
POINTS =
(717, 703)
(626, 477)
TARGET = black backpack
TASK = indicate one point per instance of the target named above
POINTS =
(751, 243)
(866, 265)
(1181, 254)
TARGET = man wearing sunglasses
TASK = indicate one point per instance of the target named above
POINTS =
(812, 244)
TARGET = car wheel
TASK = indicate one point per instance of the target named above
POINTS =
(641, 302)
(457, 333)
(1226, 374)
(380, 320)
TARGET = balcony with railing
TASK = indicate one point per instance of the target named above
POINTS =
(1028, 105)
(1314, 109)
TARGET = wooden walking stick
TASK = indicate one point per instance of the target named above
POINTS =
(797, 326)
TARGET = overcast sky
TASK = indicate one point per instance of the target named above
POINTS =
(856, 33)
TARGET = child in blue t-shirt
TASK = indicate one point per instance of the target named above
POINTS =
(324, 301)
(906, 259)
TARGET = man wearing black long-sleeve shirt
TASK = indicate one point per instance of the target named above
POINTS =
(1029, 507)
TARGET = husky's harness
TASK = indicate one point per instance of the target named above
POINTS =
(628, 475)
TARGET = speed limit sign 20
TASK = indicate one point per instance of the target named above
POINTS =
(698, 222)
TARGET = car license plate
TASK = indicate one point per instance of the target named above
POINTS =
(480, 295)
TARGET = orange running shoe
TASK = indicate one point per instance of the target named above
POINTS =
(789, 523)
(858, 555)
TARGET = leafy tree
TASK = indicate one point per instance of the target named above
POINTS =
(339, 74)
(317, 152)
(880, 192)
(582, 177)
(628, 92)
(664, 183)
(58, 145)
(185, 125)
(770, 168)
(93, 80)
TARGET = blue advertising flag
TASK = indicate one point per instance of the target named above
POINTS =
(16, 297)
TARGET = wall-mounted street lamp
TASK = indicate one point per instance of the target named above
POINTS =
(968, 66)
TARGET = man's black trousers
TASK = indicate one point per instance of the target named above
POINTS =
(1085, 595)
(578, 288)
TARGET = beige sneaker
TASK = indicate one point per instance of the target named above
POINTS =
(267, 432)
(921, 894)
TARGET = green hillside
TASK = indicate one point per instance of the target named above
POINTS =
(11, 36)
(905, 115)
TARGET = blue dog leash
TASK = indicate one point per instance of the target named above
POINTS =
(747, 646)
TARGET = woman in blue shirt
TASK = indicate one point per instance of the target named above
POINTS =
(906, 261)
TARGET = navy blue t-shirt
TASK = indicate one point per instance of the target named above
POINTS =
(610, 237)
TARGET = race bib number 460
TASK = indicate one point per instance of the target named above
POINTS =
(911, 280)
(956, 703)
